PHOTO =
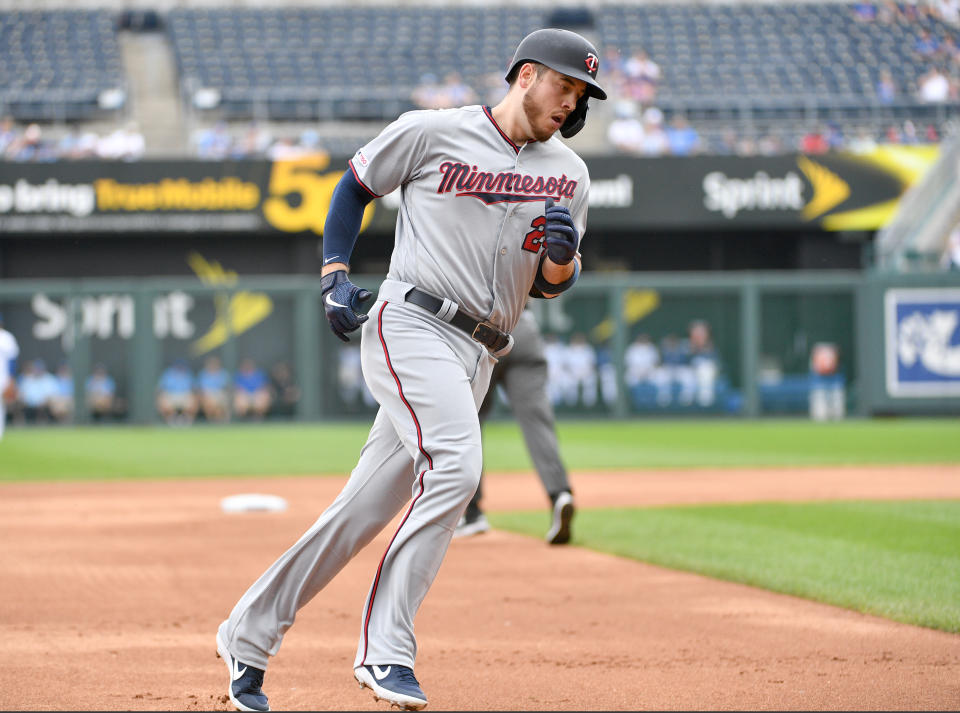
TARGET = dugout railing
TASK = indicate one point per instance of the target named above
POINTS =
(764, 327)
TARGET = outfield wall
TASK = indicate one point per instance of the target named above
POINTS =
(898, 338)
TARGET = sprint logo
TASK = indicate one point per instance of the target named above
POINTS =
(731, 196)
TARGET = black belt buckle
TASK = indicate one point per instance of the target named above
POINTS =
(486, 333)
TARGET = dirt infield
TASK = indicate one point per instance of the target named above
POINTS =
(111, 594)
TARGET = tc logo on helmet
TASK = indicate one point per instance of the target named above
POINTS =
(592, 62)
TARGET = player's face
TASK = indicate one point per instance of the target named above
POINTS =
(549, 101)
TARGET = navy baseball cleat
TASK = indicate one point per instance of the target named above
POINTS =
(245, 683)
(393, 683)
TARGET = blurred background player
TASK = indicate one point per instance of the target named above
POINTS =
(213, 384)
(101, 393)
(251, 391)
(523, 375)
(37, 386)
(176, 400)
(9, 351)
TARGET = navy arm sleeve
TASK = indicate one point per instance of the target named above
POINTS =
(342, 226)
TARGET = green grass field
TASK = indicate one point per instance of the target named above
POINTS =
(205, 451)
(899, 560)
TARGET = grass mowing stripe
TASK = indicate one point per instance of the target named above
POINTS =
(57, 453)
(900, 560)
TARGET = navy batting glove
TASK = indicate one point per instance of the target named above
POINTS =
(341, 302)
(561, 235)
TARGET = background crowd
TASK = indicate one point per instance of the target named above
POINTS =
(635, 124)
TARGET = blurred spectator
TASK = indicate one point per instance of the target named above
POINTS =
(353, 387)
(834, 136)
(747, 146)
(654, 137)
(36, 386)
(704, 362)
(251, 391)
(892, 135)
(100, 392)
(607, 374)
(176, 400)
(643, 76)
(125, 143)
(926, 45)
(948, 10)
(863, 142)
(213, 384)
(727, 143)
(61, 401)
(426, 95)
(865, 11)
(494, 88)
(213, 143)
(581, 363)
(286, 393)
(614, 73)
(934, 87)
(683, 139)
(814, 142)
(456, 92)
(640, 360)
(286, 148)
(625, 132)
(909, 135)
(770, 145)
(9, 351)
(8, 134)
(950, 260)
(555, 352)
(30, 146)
(674, 373)
(886, 87)
(254, 142)
(430, 94)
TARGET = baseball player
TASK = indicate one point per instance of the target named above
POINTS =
(9, 351)
(523, 375)
(492, 209)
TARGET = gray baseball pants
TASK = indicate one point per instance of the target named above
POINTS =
(523, 374)
(423, 449)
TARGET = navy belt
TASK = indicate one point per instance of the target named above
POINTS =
(482, 332)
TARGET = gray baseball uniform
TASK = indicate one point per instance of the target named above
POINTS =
(469, 231)
(523, 375)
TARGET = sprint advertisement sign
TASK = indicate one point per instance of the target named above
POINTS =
(922, 340)
(831, 192)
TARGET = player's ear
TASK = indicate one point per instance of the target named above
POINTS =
(527, 75)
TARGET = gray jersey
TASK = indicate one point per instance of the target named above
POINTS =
(470, 225)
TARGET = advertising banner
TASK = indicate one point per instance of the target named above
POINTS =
(922, 342)
(834, 192)
(170, 196)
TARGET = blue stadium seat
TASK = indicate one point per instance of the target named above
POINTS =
(56, 64)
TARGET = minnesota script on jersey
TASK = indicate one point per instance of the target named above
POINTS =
(470, 224)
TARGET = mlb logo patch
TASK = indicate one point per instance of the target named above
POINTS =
(922, 337)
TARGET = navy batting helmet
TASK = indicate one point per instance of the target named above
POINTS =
(568, 53)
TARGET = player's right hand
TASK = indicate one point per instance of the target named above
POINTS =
(342, 301)
(561, 235)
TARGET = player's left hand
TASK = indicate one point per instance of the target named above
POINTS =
(342, 301)
(561, 235)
